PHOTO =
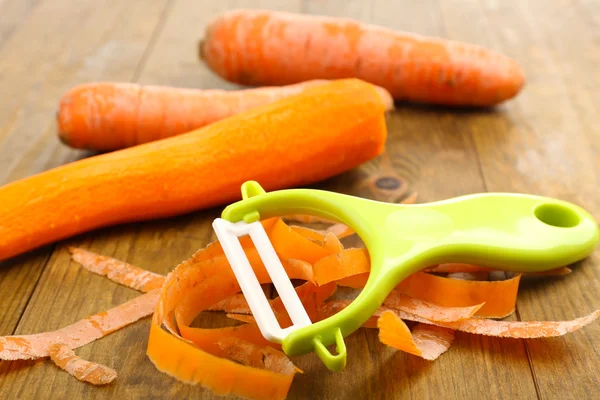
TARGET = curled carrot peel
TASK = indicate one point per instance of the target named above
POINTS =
(187, 294)
(350, 268)
(347, 262)
(426, 341)
(238, 360)
(500, 297)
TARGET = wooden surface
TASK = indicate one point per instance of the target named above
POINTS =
(546, 141)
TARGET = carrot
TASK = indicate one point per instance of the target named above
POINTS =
(301, 139)
(260, 47)
(111, 115)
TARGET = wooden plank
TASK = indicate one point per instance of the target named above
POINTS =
(88, 43)
(13, 12)
(174, 60)
(433, 150)
(548, 146)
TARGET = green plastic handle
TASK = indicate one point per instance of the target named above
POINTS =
(509, 231)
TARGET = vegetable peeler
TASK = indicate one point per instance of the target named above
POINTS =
(515, 232)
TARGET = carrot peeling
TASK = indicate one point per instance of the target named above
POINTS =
(430, 311)
(81, 369)
(117, 271)
(425, 341)
(343, 264)
(482, 326)
(238, 360)
(499, 297)
(23, 347)
(194, 362)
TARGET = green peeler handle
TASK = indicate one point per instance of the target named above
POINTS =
(511, 231)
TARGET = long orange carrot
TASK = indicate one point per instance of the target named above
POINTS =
(274, 48)
(301, 139)
(112, 116)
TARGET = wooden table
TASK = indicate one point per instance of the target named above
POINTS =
(546, 141)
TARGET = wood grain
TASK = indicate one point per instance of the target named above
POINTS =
(56, 45)
(544, 142)
(551, 148)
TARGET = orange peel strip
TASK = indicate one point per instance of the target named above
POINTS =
(512, 329)
(332, 243)
(394, 332)
(425, 341)
(23, 347)
(207, 339)
(430, 311)
(347, 263)
(500, 297)
(117, 271)
(249, 353)
(482, 326)
(354, 281)
(340, 230)
(308, 233)
(247, 318)
(291, 244)
(433, 341)
(84, 370)
(188, 290)
(188, 363)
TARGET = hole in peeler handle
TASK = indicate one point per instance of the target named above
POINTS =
(557, 215)
(335, 362)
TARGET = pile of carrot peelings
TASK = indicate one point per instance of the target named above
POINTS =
(238, 360)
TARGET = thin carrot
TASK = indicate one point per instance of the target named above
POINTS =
(112, 115)
(260, 47)
(308, 137)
